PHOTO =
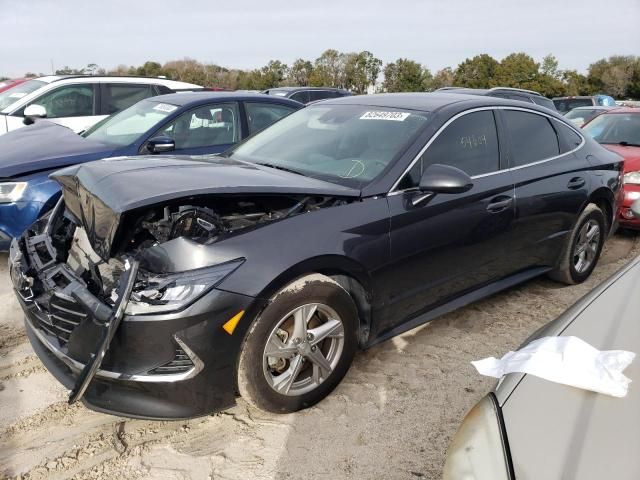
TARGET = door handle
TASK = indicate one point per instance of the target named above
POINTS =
(575, 183)
(499, 204)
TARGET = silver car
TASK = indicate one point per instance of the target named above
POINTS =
(530, 428)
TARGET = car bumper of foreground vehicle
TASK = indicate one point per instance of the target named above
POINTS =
(170, 366)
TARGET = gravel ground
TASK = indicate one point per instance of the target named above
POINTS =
(391, 418)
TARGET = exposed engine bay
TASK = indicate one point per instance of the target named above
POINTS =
(207, 220)
(204, 220)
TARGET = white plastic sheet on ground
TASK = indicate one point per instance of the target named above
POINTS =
(567, 360)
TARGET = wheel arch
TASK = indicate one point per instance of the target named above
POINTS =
(348, 273)
(604, 199)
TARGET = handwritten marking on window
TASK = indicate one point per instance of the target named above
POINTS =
(473, 141)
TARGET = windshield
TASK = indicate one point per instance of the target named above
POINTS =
(615, 128)
(580, 116)
(125, 127)
(345, 144)
(15, 94)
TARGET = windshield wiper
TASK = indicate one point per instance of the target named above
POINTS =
(278, 167)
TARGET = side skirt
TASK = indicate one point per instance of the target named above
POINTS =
(459, 302)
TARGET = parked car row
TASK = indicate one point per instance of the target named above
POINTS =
(196, 245)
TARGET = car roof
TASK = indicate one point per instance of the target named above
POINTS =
(427, 101)
(488, 91)
(196, 98)
(175, 84)
(295, 89)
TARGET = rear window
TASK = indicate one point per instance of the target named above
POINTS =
(565, 104)
(532, 137)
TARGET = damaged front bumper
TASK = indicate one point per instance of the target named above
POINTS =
(169, 366)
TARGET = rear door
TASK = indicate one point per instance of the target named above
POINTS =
(115, 97)
(552, 184)
(453, 243)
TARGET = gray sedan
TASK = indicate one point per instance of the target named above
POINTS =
(530, 428)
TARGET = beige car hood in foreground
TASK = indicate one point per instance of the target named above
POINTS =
(561, 432)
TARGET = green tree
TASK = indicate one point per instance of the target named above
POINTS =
(328, 70)
(442, 78)
(517, 70)
(300, 73)
(549, 67)
(405, 75)
(476, 72)
(575, 83)
(150, 69)
(618, 76)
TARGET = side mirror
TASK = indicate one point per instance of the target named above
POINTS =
(441, 179)
(32, 112)
(161, 144)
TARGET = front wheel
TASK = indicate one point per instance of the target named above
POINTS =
(300, 347)
(583, 247)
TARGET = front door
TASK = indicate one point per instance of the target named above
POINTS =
(452, 243)
(206, 129)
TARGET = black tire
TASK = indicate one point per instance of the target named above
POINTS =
(252, 381)
(565, 271)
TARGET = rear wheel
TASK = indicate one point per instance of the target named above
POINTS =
(300, 347)
(583, 247)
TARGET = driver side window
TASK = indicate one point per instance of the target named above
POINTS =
(68, 101)
(206, 126)
(470, 143)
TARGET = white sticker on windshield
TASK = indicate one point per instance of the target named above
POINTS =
(17, 95)
(165, 107)
(393, 116)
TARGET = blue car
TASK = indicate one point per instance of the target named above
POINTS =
(184, 123)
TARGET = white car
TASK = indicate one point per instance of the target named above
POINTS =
(80, 101)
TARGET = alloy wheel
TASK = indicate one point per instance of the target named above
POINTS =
(303, 349)
(586, 247)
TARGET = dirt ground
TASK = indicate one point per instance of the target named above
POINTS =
(391, 418)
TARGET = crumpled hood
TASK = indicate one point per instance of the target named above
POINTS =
(44, 146)
(98, 193)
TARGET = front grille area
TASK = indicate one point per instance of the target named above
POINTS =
(181, 363)
(60, 317)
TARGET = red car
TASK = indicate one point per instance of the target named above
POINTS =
(10, 83)
(619, 131)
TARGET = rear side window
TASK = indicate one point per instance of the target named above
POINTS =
(315, 95)
(544, 102)
(569, 139)
(261, 115)
(117, 97)
(302, 97)
(532, 137)
(470, 143)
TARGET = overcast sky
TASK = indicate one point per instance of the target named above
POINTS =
(248, 33)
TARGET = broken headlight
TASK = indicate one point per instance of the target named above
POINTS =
(164, 293)
(11, 191)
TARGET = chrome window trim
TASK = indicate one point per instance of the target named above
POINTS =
(393, 190)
